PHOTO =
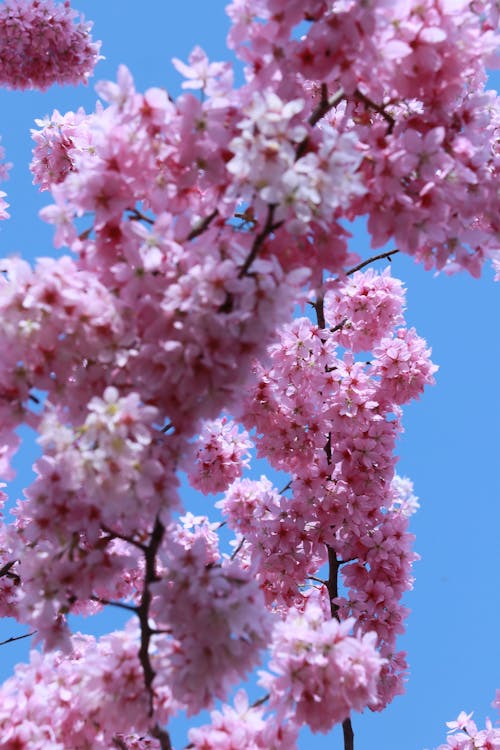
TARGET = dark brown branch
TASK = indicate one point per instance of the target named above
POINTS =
(348, 734)
(143, 609)
(325, 104)
(376, 108)
(260, 701)
(285, 488)
(116, 535)
(320, 312)
(240, 545)
(17, 638)
(136, 215)
(268, 228)
(339, 326)
(318, 580)
(163, 736)
(111, 603)
(85, 234)
(364, 263)
(323, 107)
(332, 583)
(6, 571)
(200, 227)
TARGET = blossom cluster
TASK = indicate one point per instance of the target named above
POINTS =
(42, 43)
(82, 700)
(463, 734)
(196, 227)
(220, 455)
(315, 660)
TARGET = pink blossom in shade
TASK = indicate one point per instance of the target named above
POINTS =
(215, 614)
(220, 453)
(43, 43)
(319, 672)
(80, 700)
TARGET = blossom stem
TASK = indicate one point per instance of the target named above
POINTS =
(367, 262)
(17, 638)
(269, 227)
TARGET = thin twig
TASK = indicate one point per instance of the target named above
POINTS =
(325, 104)
(323, 107)
(111, 603)
(238, 548)
(269, 227)
(364, 263)
(136, 215)
(200, 227)
(376, 108)
(339, 326)
(116, 535)
(318, 580)
(17, 638)
(260, 701)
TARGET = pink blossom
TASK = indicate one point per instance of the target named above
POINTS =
(44, 43)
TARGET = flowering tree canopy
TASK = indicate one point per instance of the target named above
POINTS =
(168, 341)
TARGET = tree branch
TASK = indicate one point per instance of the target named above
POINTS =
(348, 734)
(163, 736)
(325, 104)
(116, 535)
(136, 215)
(200, 227)
(322, 108)
(269, 227)
(111, 603)
(142, 610)
(17, 638)
(364, 263)
(379, 109)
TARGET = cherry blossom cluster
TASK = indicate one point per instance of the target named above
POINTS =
(196, 227)
(243, 726)
(214, 611)
(315, 660)
(426, 125)
(85, 699)
(331, 422)
(221, 453)
(463, 734)
(44, 42)
(109, 478)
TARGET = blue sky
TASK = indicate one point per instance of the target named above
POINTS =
(449, 449)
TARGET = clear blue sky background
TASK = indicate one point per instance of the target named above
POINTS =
(449, 449)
